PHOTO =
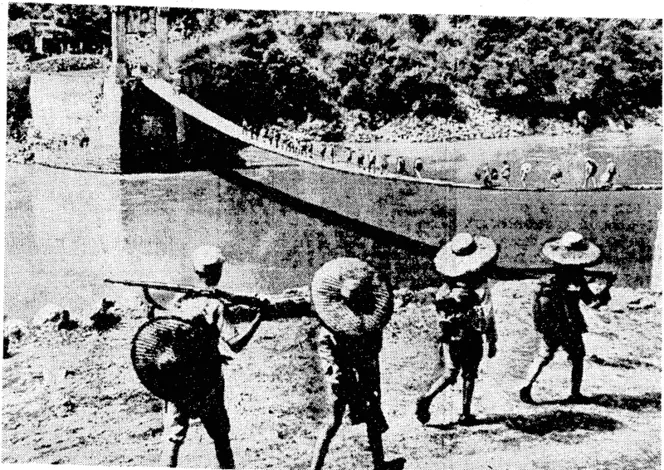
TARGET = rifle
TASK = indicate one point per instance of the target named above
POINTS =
(510, 273)
(290, 304)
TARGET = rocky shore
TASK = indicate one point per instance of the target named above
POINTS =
(482, 123)
(70, 395)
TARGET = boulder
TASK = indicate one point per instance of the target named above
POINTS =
(50, 315)
(13, 333)
(131, 305)
(54, 316)
(642, 303)
(105, 317)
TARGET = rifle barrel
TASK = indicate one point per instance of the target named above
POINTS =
(249, 300)
(286, 305)
(515, 273)
(158, 285)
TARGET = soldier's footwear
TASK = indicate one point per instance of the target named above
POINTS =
(422, 410)
(577, 398)
(396, 464)
(524, 395)
(467, 419)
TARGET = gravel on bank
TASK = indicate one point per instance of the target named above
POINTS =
(71, 396)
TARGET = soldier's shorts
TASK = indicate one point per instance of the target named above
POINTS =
(572, 344)
(358, 389)
(465, 355)
(210, 410)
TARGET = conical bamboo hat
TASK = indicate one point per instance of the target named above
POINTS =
(351, 297)
(175, 360)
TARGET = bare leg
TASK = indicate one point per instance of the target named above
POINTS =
(323, 444)
(176, 424)
(534, 372)
(577, 377)
(468, 389)
(169, 453)
(440, 384)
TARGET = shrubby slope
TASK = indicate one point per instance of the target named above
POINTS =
(369, 69)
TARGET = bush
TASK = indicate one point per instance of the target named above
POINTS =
(16, 60)
(18, 103)
(69, 63)
(334, 131)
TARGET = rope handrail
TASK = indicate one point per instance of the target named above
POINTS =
(165, 90)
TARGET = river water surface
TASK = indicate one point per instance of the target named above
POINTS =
(66, 231)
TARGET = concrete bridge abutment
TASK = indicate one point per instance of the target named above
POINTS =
(88, 120)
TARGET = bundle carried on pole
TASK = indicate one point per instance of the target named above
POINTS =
(350, 297)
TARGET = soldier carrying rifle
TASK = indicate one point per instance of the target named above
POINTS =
(185, 354)
(557, 314)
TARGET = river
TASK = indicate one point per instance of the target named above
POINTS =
(66, 231)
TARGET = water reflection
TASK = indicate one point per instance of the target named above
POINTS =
(66, 231)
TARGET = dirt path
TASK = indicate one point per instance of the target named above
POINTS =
(98, 413)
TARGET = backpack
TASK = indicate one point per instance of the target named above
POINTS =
(461, 313)
(555, 311)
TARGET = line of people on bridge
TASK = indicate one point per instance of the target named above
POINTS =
(332, 153)
(491, 177)
(354, 303)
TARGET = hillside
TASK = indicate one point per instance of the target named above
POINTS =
(476, 77)
(360, 76)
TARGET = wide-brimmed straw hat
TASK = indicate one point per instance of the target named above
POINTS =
(572, 249)
(465, 254)
(351, 297)
(175, 359)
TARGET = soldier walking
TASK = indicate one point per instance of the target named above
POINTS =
(505, 172)
(354, 304)
(208, 313)
(465, 314)
(557, 314)
(526, 168)
(589, 172)
(606, 180)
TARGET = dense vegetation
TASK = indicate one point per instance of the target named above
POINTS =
(90, 24)
(371, 69)
(305, 66)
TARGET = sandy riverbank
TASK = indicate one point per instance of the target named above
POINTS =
(74, 398)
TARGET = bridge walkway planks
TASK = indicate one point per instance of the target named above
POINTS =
(165, 90)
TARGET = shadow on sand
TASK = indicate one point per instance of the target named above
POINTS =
(614, 400)
(542, 423)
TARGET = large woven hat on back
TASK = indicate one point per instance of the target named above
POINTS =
(572, 249)
(350, 297)
(465, 254)
(175, 359)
